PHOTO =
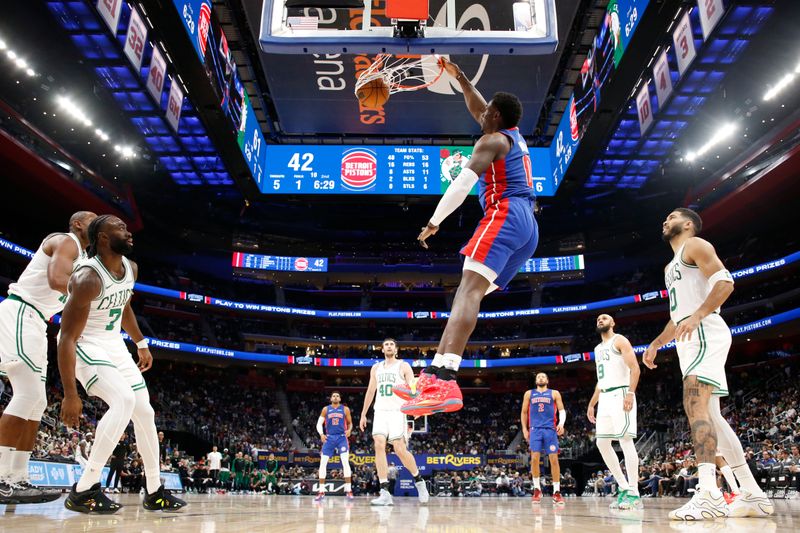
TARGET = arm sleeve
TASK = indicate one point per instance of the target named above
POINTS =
(454, 196)
(562, 417)
(320, 421)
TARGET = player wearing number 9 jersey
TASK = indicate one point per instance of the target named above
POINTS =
(390, 424)
(91, 348)
(505, 238)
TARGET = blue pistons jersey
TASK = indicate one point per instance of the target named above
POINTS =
(335, 429)
(542, 421)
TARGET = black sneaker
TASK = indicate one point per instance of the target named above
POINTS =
(162, 500)
(14, 493)
(90, 501)
(45, 495)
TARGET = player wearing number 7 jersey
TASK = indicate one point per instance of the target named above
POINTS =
(505, 238)
(91, 348)
(390, 424)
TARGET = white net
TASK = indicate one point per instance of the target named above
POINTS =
(406, 73)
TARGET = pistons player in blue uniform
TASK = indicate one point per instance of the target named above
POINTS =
(338, 426)
(505, 238)
(541, 428)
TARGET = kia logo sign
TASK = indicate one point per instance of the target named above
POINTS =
(359, 169)
(301, 263)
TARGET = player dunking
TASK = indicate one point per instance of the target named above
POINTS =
(338, 426)
(617, 379)
(39, 294)
(698, 284)
(506, 237)
(390, 424)
(99, 303)
(540, 429)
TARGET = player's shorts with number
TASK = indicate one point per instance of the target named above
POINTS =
(506, 237)
(93, 358)
(613, 422)
(391, 424)
(705, 354)
(335, 445)
(544, 440)
(23, 338)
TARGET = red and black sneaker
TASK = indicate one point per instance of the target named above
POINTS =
(558, 499)
(537, 496)
(445, 397)
(424, 381)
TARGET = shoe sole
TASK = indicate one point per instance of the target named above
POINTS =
(87, 511)
(445, 407)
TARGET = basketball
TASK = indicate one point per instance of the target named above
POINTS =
(374, 93)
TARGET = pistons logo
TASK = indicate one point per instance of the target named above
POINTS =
(203, 23)
(552, 448)
(573, 121)
(359, 169)
(300, 264)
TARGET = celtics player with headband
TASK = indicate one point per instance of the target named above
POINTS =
(91, 348)
(698, 284)
(617, 379)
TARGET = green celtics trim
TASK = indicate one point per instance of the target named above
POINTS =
(619, 435)
(89, 361)
(15, 298)
(139, 386)
(20, 349)
(684, 263)
(700, 353)
(110, 275)
(91, 382)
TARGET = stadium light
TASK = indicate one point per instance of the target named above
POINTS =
(70, 107)
(781, 85)
(126, 151)
(720, 135)
(3, 45)
(30, 72)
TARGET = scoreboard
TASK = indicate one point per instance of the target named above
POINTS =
(280, 262)
(553, 264)
(379, 169)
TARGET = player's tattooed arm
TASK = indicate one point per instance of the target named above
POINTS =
(523, 417)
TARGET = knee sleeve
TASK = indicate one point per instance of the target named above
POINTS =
(29, 398)
(323, 466)
(346, 472)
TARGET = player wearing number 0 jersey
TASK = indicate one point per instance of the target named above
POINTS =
(615, 395)
(698, 284)
(505, 238)
(390, 424)
(38, 294)
(91, 348)
(541, 428)
(338, 424)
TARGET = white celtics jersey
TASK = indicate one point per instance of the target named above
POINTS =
(688, 288)
(105, 315)
(387, 378)
(612, 372)
(33, 287)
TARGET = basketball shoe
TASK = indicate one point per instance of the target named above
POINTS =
(90, 501)
(384, 499)
(729, 497)
(747, 504)
(630, 501)
(537, 496)
(350, 496)
(422, 491)
(320, 497)
(702, 506)
(618, 503)
(444, 398)
(162, 500)
(423, 382)
(558, 499)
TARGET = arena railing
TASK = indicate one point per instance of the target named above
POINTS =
(253, 307)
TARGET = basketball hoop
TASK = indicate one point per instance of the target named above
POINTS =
(403, 73)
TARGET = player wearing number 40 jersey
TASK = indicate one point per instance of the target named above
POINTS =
(338, 425)
(505, 238)
(390, 424)
(698, 284)
(90, 347)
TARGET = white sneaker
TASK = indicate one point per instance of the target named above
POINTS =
(422, 490)
(384, 499)
(748, 504)
(702, 506)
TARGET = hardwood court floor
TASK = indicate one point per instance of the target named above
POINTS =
(284, 514)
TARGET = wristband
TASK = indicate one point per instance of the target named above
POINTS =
(142, 344)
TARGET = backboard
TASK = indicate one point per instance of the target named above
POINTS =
(529, 27)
